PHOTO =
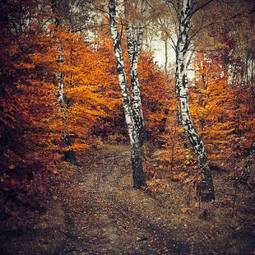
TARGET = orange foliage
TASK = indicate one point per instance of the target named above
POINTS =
(220, 110)
(85, 81)
(212, 105)
(27, 103)
(31, 122)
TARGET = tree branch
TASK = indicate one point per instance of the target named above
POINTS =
(201, 7)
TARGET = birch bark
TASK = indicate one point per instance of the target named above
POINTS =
(205, 187)
(134, 46)
(133, 131)
(69, 155)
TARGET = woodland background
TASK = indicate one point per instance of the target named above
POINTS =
(33, 130)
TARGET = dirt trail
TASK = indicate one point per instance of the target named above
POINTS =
(99, 212)
(106, 221)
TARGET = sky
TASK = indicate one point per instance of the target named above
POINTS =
(158, 48)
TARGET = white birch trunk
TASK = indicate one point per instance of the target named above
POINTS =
(69, 155)
(206, 188)
(138, 174)
(134, 46)
(166, 57)
(60, 80)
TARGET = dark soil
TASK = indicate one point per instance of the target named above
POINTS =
(97, 211)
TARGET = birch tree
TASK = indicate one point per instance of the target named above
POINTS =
(131, 100)
(184, 12)
(134, 45)
(58, 12)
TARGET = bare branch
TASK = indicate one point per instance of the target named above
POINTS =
(200, 7)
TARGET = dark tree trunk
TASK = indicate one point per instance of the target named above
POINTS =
(69, 155)
(137, 166)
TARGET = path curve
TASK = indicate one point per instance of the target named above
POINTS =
(108, 216)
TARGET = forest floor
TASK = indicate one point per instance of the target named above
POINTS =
(97, 211)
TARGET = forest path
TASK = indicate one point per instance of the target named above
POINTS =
(105, 215)
(97, 211)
